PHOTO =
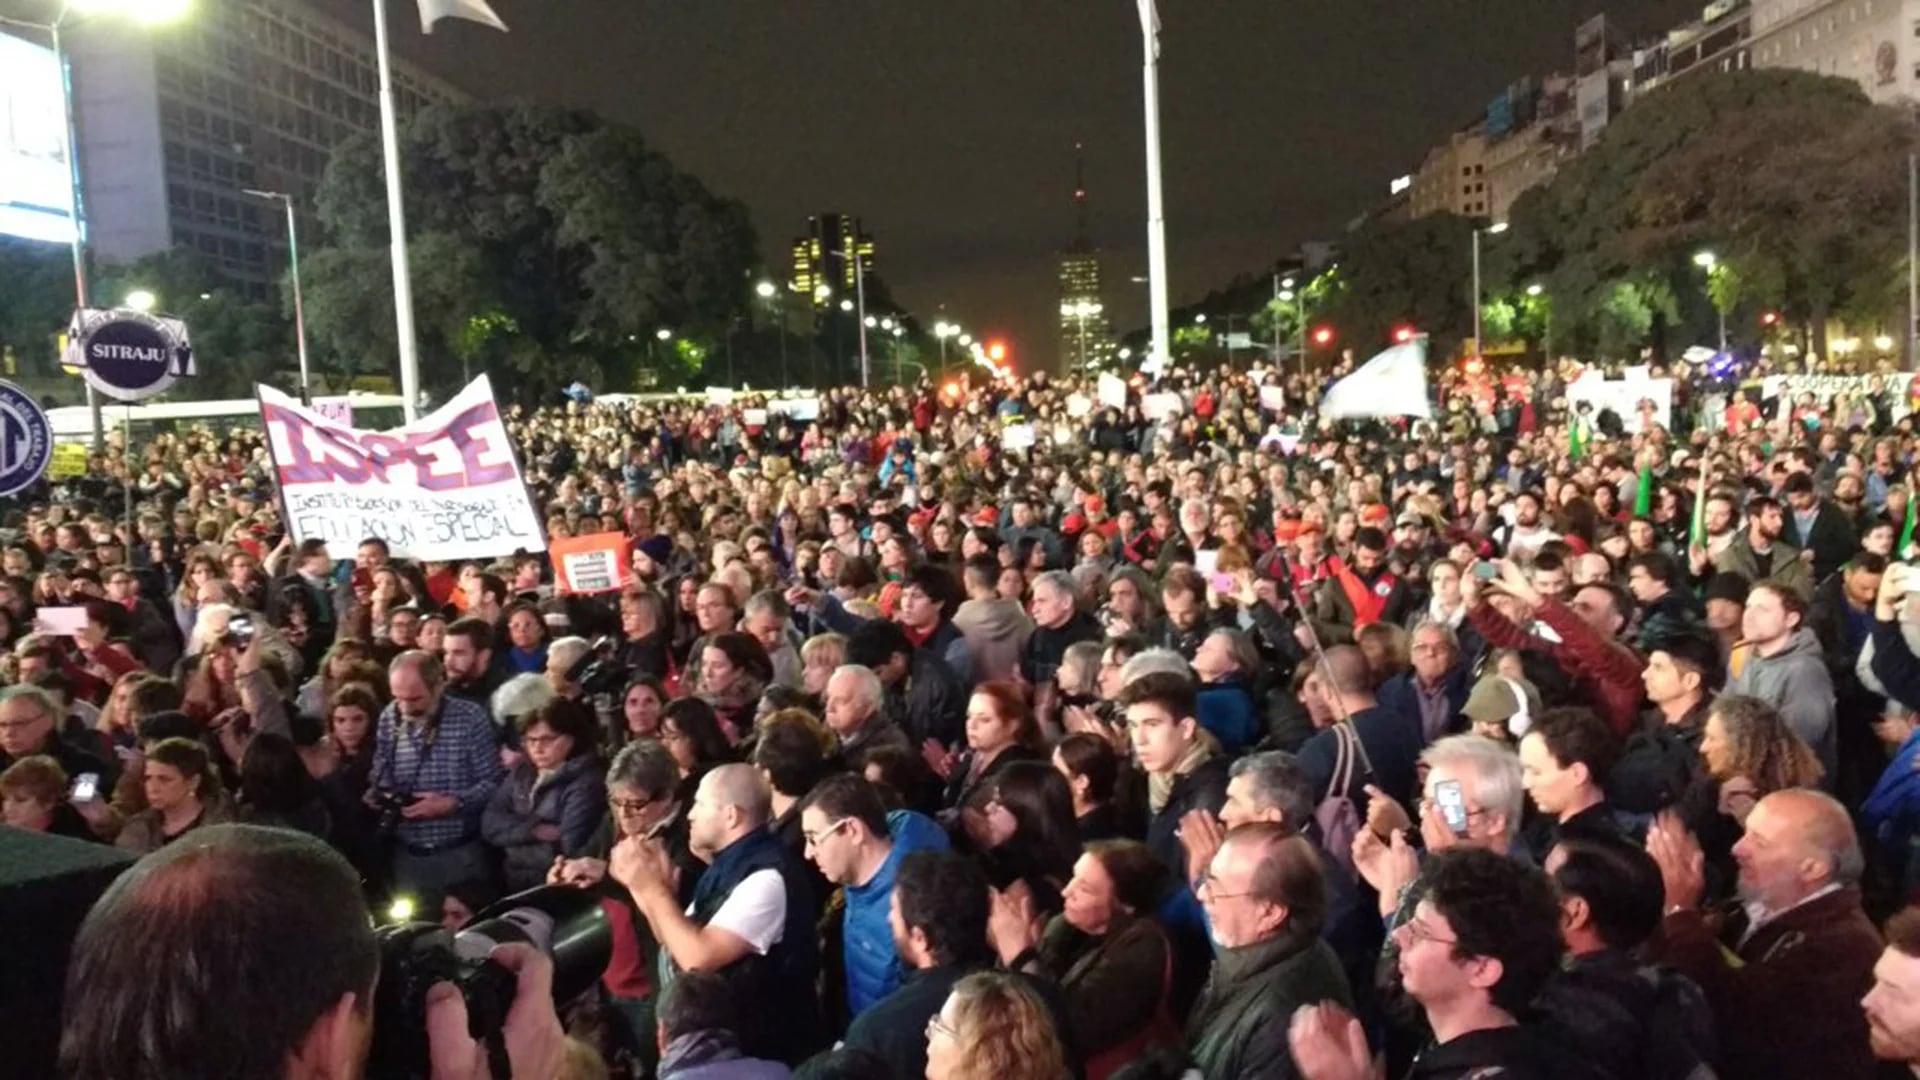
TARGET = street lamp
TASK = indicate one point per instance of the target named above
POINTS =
(1537, 290)
(1495, 229)
(146, 13)
(1080, 311)
(943, 330)
(141, 300)
(846, 305)
(771, 293)
(1708, 261)
(293, 263)
(765, 289)
(663, 334)
(860, 303)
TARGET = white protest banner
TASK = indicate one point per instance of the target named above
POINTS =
(1623, 396)
(1273, 398)
(1161, 406)
(796, 409)
(1078, 405)
(753, 417)
(443, 487)
(337, 409)
(1113, 391)
(720, 395)
(1017, 437)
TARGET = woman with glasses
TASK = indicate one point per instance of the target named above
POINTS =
(993, 1027)
(551, 803)
(641, 787)
(691, 733)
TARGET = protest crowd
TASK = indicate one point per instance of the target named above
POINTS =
(1053, 727)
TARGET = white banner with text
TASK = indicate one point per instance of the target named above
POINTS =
(446, 486)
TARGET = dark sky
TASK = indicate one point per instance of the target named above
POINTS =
(949, 125)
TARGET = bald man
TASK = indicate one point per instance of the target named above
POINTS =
(1392, 740)
(1805, 950)
(753, 912)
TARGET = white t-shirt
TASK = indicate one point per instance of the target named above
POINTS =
(755, 911)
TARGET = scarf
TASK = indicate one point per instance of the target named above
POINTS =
(1160, 787)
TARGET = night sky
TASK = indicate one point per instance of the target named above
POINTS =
(949, 125)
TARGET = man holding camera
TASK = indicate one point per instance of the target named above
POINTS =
(246, 951)
(436, 762)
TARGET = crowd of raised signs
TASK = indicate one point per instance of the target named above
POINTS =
(1073, 726)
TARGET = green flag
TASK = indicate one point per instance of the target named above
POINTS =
(1577, 437)
(1906, 531)
(1643, 494)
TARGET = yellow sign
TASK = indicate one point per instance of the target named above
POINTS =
(69, 461)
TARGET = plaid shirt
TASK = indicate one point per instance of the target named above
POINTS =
(461, 758)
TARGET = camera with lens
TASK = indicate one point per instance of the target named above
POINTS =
(600, 670)
(568, 925)
(387, 807)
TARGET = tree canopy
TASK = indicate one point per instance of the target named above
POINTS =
(541, 240)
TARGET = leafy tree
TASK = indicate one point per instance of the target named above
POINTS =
(545, 244)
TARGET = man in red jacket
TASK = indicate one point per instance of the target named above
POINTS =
(1786, 973)
(1582, 636)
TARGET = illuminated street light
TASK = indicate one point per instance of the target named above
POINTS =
(1286, 283)
(1535, 289)
(765, 289)
(1126, 353)
(886, 324)
(141, 300)
(966, 340)
(663, 334)
(1200, 319)
(871, 322)
(846, 305)
(1706, 260)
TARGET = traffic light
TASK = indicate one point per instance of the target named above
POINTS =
(1403, 334)
(997, 351)
(1323, 336)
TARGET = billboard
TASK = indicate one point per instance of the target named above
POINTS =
(36, 185)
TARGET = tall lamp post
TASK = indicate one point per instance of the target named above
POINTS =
(859, 303)
(1495, 229)
(1537, 290)
(1708, 261)
(1286, 293)
(147, 13)
(771, 293)
(293, 263)
(943, 330)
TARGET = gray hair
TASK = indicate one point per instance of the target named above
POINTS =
(1154, 662)
(870, 689)
(645, 766)
(41, 699)
(1246, 657)
(520, 696)
(768, 601)
(1277, 782)
(1445, 631)
(1062, 582)
(1491, 770)
(568, 651)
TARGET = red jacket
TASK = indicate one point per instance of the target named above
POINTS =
(1606, 670)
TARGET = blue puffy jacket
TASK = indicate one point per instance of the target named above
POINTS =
(873, 965)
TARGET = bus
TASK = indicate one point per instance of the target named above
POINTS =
(141, 422)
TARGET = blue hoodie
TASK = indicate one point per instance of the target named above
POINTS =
(873, 964)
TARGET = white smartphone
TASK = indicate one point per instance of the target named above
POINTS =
(86, 787)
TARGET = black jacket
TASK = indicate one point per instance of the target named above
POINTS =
(1512, 1053)
(1238, 1030)
(1040, 661)
(1831, 539)
(1629, 1020)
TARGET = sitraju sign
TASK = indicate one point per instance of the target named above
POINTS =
(128, 355)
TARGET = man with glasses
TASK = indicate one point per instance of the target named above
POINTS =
(1266, 899)
(858, 845)
(155, 637)
(1482, 943)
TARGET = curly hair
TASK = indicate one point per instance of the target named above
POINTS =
(1004, 1031)
(1762, 747)
(1503, 909)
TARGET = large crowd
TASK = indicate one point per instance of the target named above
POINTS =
(1518, 741)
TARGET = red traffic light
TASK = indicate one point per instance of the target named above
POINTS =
(1769, 318)
(1323, 335)
(996, 351)
(1403, 334)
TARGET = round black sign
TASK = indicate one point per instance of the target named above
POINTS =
(130, 355)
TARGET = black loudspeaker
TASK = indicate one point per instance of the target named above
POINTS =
(47, 886)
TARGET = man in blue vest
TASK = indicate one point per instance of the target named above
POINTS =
(752, 914)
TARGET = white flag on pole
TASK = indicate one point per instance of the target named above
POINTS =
(1150, 24)
(432, 11)
(1393, 383)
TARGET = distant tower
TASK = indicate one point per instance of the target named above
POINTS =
(1085, 335)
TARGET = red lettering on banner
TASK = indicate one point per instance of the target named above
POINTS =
(372, 456)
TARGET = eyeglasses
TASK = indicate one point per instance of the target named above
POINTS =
(628, 806)
(1419, 931)
(1207, 884)
(938, 1026)
(540, 740)
(816, 839)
